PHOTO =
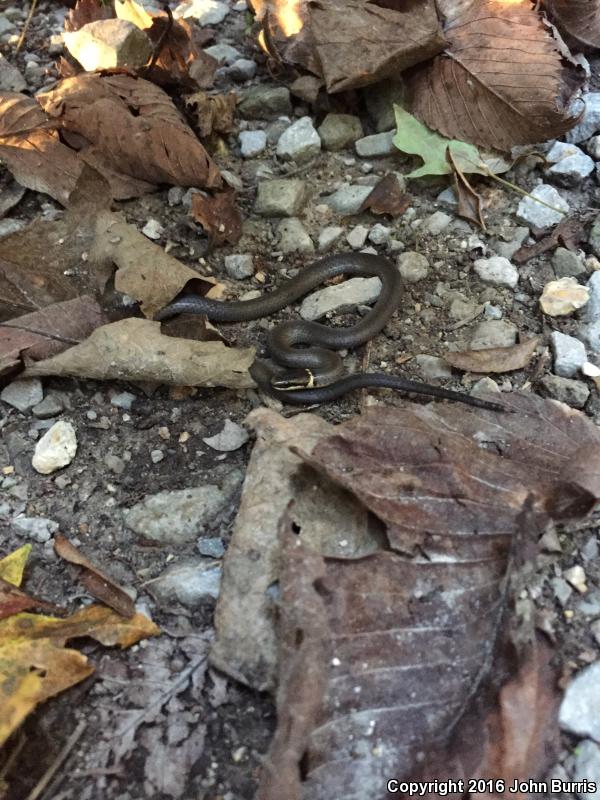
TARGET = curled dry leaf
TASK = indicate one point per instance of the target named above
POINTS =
(469, 202)
(219, 215)
(350, 43)
(212, 113)
(387, 198)
(135, 350)
(494, 359)
(501, 80)
(98, 583)
(87, 11)
(578, 20)
(568, 233)
(13, 601)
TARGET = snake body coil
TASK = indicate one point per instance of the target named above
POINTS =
(300, 346)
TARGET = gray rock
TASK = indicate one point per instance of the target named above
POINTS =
(56, 448)
(493, 333)
(508, 249)
(175, 195)
(244, 69)
(593, 148)
(432, 368)
(338, 131)
(437, 223)
(587, 768)
(538, 216)
(342, 297)
(380, 99)
(484, 386)
(51, 406)
(265, 102)
(590, 122)
(239, 266)
(379, 144)
(211, 546)
(6, 25)
(231, 438)
(497, 270)
(379, 234)
(280, 197)
(357, 237)
(570, 165)
(562, 590)
(589, 330)
(191, 582)
(492, 312)
(329, 236)
(462, 307)
(293, 237)
(569, 354)
(207, 12)
(348, 199)
(176, 517)
(122, 400)
(109, 43)
(567, 264)
(300, 142)
(448, 198)
(23, 394)
(580, 709)
(413, 266)
(153, 229)
(594, 237)
(224, 53)
(252, 143)
(40, 529)
(566, 390)
(8, 226)
(11, 79)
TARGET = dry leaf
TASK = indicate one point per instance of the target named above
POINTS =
(87, 11)
(469, 202)
(501, 80)
(12, 566)
(98, 584)
(212, 113)
(579, 20)
(135, 350)
(494, 359)
(10, 196)
(387, 197)
(569, 233)
(13, 601)
(219, 215)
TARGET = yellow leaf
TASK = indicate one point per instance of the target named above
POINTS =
(13, 565)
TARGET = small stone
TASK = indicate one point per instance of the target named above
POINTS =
(484, 386)
(508, 249)
(153, 229)
(56, 448)
(379, 234)
(594, 237)
(562, 590)
(156, 456)
(570, 165)
(9, 226)
(380, 99)
(448, 198)
(176, 517)
(569, 354)
(328, 237)
(567, 264)
(540, 216)
(492, 312)
(348, 199)
(590, 121)
(231, 438)
(342, 297)
(122, 400)
(338, 131)
(589, 331)
(586, 771)
(437, 223)
(280, 197)
(550, 543)
(462, 307)
(497, 270)
(300, 142)
(243, 69)
(223, 53)
(114, 463)
(576, 577)
(239, 266)
(6, 25)
(494, 333)
(23, 394)
(109, 43)
(562, 297)
(211, 546)
(190, 582)
(378, 144)
(175, 195)
(40, 529)
(293, 237)
(357, 237)
(51, 406)
(595, 628)
(413, 266)
(207, 12)
(566, 390)
(11, 79)
(252, 143)
(432, 368)
(593, 148)
(580, 709)
(265, 102)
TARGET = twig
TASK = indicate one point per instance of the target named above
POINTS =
(43, 782)
(26, 26)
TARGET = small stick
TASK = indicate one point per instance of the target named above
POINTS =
(42, 784)
(26, 26)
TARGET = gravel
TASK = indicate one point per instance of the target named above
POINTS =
(281, 197)
(570, 165)
(580, 708)
(379, 144)
(567, 264)
(252, 143)
(494, 333)
(265, 102)
(540, 216)
(189, 581)
(590, 122)
(300, 142)
(341, 297)
(573, 393)
(498, 271)
(348, 199)
(569, 354)
(329, 236)
(23, 394)
(414, 267)
(293, 237)
(239, 266)
(338, 131)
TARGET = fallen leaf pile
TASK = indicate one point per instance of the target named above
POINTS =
(35, 664)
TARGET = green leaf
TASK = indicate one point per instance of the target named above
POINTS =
(417, 139)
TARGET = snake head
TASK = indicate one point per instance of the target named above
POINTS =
(292, 380)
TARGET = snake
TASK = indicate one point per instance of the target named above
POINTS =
(304, 367)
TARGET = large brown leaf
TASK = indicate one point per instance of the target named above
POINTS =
(578, 20)
(501, 80)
